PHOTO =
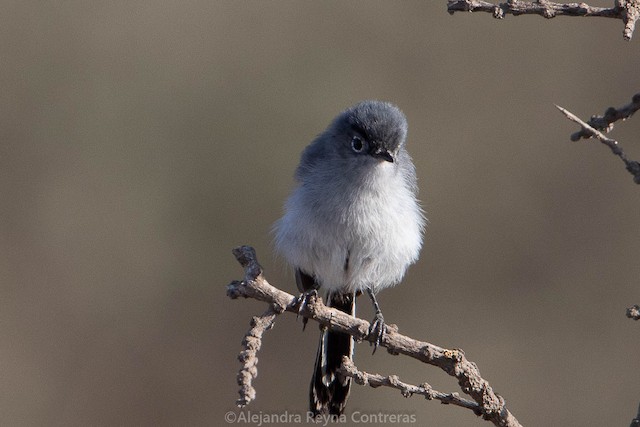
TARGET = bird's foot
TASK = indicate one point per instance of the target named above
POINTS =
(301, 301)
(377, 330)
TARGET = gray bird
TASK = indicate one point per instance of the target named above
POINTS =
(352, 224)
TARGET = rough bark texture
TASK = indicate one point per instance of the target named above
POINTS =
(626, 10)
(491, 406)
(633, 312)
(632, 166)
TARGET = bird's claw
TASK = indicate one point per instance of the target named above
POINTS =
(301, 301)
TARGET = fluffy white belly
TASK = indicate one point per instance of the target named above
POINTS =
(368, 243)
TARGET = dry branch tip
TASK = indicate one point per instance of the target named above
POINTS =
(588, 131)
(633, 312)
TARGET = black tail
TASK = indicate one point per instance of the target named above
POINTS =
(328, 394)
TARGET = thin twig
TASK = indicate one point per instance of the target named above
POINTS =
(632, 166)
(633, 312)
(407, 390)
(627, 10)
(491, 406)
(605, 122)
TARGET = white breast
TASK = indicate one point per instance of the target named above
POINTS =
(368, 242)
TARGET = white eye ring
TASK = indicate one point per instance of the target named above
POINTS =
(356, 144)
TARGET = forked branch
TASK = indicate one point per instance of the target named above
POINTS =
(489, 405)
(632, 166)
(604, 123)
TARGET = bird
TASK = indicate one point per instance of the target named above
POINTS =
(352, 224)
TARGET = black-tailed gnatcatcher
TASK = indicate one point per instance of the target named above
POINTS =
(352, 224)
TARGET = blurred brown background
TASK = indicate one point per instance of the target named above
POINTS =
(142, 141)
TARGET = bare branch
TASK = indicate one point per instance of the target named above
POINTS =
(611, 143)
(627, 10)
(633, 312)
(630, 14)
(543, 8)
(251, 345)
(374, 380)
(605, 122)
(632, 166)
(453, 362)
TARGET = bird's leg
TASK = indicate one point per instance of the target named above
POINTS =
(308, 287)
(302, 300)
(377, 327)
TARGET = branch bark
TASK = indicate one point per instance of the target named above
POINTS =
(248, 356)
(627, 10)
(605, 122)
(491, 406)
(374, 380)
(633, 312)
(632, 166)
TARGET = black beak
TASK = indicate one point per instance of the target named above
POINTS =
(383, 154)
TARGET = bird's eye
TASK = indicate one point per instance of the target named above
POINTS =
(357, 145)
